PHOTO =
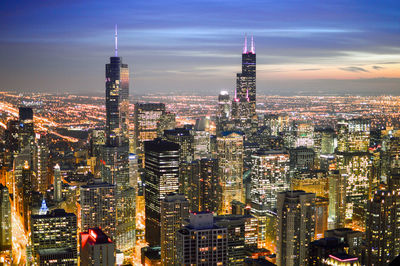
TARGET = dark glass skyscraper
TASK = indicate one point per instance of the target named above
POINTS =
(161, 178)
(117, 101)
(244, 102)
(115, 153)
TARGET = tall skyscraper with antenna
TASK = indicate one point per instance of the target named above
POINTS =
(115, 153)
(117, 100)
(244, 101)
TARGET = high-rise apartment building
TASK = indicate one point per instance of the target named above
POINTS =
(296, 225)
(161, 178)
(230, 163)
(269, 176)
(353, 135)
(242, 235)
(174, 210)
(202, 242)
(41, 164)
(96, 248)
(57, 183)
(147, 117)
(54, 238)
(383, 228)
(5, 219)
(98, 208)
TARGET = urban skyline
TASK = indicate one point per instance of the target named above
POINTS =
(236, 177)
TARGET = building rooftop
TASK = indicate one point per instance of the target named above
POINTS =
(160, 145)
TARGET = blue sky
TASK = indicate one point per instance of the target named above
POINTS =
(195, 46)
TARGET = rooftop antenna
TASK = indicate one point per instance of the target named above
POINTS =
(245, 44)
(116, 40)
(253, 48)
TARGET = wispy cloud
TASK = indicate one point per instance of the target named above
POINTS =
(377, 67)
(309, 69)
(354, 69)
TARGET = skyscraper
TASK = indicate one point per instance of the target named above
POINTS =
(244, 102)
(5, 219)
(230, 163)
(26, 128)
(57, 183)
(41, 161)
(174, 210)
(296, 223)
(383, 228)
(54, 238)
(202, 242)
(115, 153)
(98, 208)
(161, 178)
(117, 100)
(147, 118)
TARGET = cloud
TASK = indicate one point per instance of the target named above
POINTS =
(309, 69)
(354, 69)
(377, 67)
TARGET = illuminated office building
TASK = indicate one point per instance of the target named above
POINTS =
(11, 143)
(296, 224)
(337, 200)
(96, 248)
(223, 112)
(383, 228)
(302, 158)
(5, 219)
(304, 135)
(147, 116)
(57, 184)
(54, 238)
(202, 242)
(174, 210)
(276, 123)
(98, 208)
(353, 135)
(321, 216)
(201, 140)
(230, 163)
(269, 176)
(26, 132)
(41, 164)
(311, 181)
(167, 121)
(355, 169)
(242, 234)
(184, 138)
(202, 186)
(23, 176)
(161, 178)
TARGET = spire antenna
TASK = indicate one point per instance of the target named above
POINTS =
(245, 44)
(253, 48)
(116, 40)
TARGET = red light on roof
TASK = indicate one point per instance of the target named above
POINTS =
(92, 234)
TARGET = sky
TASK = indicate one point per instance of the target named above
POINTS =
(303, 47)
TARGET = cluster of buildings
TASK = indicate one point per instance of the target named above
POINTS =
(253, 190)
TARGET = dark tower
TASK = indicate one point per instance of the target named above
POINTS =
(117, 102)
(245, 95)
